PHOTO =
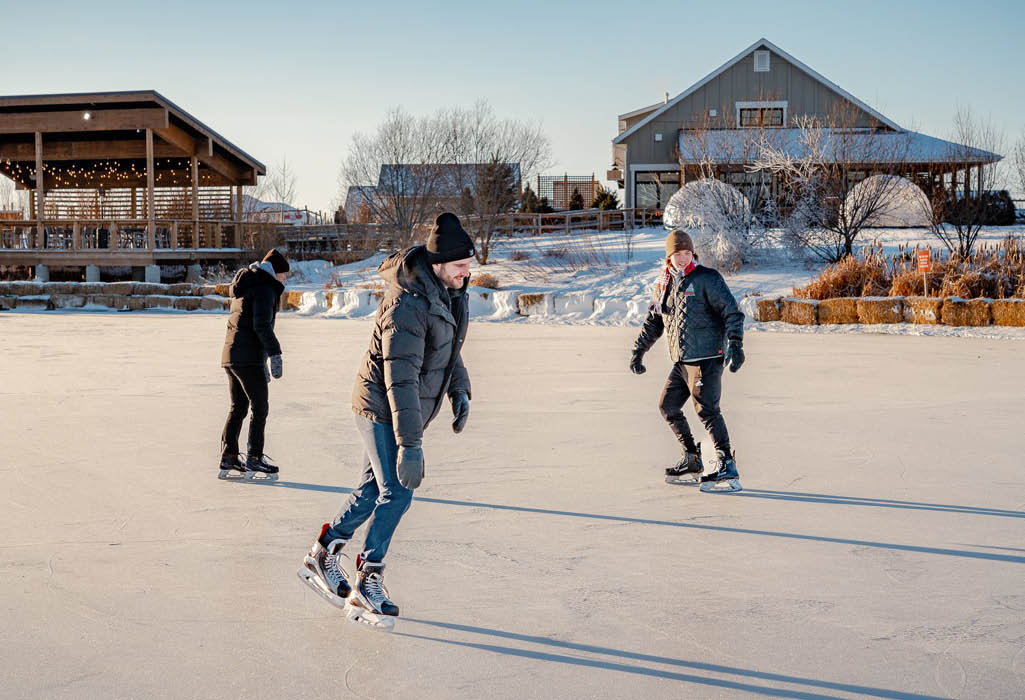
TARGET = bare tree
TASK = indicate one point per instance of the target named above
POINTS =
(1018, 162)
(402, 157)
(959, 214)
(281, 183)
(10, 199)
(496, 156)
(820, 166)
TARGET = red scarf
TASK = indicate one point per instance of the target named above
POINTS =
(662, 283)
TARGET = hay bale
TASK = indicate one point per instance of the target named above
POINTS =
(8, 302)
(125, 288)
(291, 300)
(69, 301)
(838, 310)
(881, 309)
(136, 303)
(221, 290)
(801, 312)
(767, 310)
(36, 301)
(89, 288)
(186, 303)
(119, 301)
(60, 288)
(1008, 312)
(159, 301)
(923, 310)
(967, 312)
(100, 300)
(533, 304)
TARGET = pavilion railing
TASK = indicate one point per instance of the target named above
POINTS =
(135, 235)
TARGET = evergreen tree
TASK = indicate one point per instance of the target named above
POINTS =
(576, 200)
(605, 199)
(528, 200)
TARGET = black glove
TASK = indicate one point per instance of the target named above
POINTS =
(635, 363)
(410, 466)
(734, 355)
(275, 366)
(461, 410)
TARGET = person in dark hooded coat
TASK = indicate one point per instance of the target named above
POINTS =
(412, 364)
(249, 344)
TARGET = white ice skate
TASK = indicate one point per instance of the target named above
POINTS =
(322, 570)
(368, 603)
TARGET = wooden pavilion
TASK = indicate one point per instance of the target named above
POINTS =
(121, 178)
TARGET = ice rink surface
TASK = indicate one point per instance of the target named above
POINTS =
(878, 549)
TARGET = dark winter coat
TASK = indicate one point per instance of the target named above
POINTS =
(413, 360)
(255, 293)
(698, 313)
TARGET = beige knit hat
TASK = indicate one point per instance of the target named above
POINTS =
(677, 240)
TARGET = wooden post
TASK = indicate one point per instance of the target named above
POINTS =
(76, 235)
(238, 203)
(40, 192)
(135, 206)
(151, 227)
(174, 235)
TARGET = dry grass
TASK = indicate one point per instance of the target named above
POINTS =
(486, 280)
(994, 271)
(519, 255)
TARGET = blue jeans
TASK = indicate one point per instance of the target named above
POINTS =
(379, 494)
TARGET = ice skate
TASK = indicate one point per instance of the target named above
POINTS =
(369, 603)
(258, 468)
(231, 468)
(322, 570)
(725, 479)
(688, 470)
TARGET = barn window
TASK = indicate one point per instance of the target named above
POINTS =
(761, 61)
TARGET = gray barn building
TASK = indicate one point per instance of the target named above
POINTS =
(764, 88)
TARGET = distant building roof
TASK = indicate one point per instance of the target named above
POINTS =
(441, 179)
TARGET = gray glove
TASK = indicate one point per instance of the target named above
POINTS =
(461, 410)
(410, 466)
(275, 366)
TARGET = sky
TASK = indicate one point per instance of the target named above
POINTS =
(296, 81)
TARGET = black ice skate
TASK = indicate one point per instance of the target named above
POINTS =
(259, 469)
(322, 569)
(725, 479)
(687, 470)
(231, 468)
(369, 602)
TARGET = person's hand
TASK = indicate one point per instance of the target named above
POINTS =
(734, 355)
(275, 366)
(461, 410)
(635, 363)
(410, 466)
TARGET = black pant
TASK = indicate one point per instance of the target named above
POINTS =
(701, 380)
(248, 387)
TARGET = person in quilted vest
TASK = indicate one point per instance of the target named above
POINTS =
(694, 308)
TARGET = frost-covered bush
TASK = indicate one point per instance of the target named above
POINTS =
(902, 202)
(719, 219)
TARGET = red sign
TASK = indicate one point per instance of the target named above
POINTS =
(924, 261)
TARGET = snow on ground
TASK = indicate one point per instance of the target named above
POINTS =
(606, 279)
(876, 551)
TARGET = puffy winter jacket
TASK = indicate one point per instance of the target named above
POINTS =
(255, 293)
(698, 313)
(413, 359)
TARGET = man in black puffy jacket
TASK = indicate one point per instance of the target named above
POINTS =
(412, 364)
(248, 344)
(705, 330)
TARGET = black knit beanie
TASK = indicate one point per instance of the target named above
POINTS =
(448, 241)
(277, 260)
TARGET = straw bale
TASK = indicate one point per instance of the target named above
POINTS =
(881, 309)
(1009, 312)
(768, 309)
(923, 310)
(838, 310)
(801, 312)
(966, 312)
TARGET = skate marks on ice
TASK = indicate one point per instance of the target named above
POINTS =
(895, 546)
(832, 499)
(743, 679)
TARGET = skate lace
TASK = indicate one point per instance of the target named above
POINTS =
(331, 569)
(373, 586)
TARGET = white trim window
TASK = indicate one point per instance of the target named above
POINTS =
(762, 64)
(761, 114)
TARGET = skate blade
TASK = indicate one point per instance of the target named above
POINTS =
(685, 480)
(231, 475)
(314, 582)
(260, 476)
(724, 486)
(356, 614)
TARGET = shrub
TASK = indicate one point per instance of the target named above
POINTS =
(867, 276)
(576, 200)
(486, 280)
(607, 200)
(519, 256)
